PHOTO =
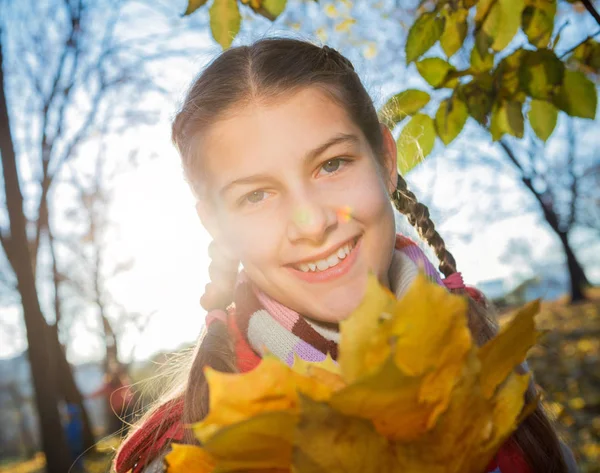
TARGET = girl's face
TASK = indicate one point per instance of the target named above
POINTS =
(295, 192)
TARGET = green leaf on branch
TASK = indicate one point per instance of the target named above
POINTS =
(577, 96)
(506, 76)
(587, 56)
(407, 102)
(434, 70)
(450, 119)
(455, 31)
(478, 95)
(491, 22)
(541, 73)
(507, 15)
(225, 21)
(483, 10)
(481, 63)
(499, 20)
(538, 22)
(275, 7)
(193, 5)
(423, 34)
(271, 9)
(542, 116)
(507, 117)
(415, 142)
(483, 41)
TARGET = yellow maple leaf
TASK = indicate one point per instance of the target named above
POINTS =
(327, 372)
(271, 386)
(328, 441)
(508, 349)
(412, 393)
(364, 346)
(262, 442)
(189, 458)
(426, 334)
(389, 399)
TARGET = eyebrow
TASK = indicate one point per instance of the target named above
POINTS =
(340, 138)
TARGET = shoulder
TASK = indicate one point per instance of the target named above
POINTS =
(151, 438)
(569, 458)
(157, 465)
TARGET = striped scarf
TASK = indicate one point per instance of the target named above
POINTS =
(261, 324)
(257, 324)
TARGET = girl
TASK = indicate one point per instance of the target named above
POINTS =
(295, 178)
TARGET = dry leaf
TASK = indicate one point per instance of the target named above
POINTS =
(263, 442)
(271, 386)
(189, 458)
(364, 346)
(330, 442)
(412, 393)
(500, 355)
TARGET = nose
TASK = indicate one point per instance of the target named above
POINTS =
(311, 219)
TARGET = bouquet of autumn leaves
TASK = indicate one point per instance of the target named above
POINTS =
(411, 393)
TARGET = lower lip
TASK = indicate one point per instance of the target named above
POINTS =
(330, 274)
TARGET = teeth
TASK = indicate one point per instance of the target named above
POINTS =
(322, 265)
(333, 260)
(329, 262)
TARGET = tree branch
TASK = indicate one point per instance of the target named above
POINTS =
(547, 209)
(574, 187)
(589, 6)
(587, 38)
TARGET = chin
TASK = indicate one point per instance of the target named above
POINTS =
(336, 309)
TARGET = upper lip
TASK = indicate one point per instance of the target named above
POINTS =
(324, 254)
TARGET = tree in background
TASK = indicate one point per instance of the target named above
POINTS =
(64, 66)
(87, 268)
(16, 246)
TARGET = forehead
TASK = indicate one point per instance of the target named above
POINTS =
(267, 137)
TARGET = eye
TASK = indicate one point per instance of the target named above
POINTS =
(255, 197)
(333, 165)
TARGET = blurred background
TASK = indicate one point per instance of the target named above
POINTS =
(103, 260)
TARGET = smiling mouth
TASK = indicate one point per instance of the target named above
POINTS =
(330, 261)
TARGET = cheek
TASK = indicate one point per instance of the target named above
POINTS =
(254, 239)
(370, 201)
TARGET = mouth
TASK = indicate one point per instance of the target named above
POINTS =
(332, 265)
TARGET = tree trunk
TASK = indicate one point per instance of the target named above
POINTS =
(53, 438)
(68, 388)
(64, 373)
(576, 273)
(18, 402)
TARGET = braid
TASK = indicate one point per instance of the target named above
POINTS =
(215, 349)
(418, 216)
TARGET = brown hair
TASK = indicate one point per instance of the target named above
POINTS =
(261, 72)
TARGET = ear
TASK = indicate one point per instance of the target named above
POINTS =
(390, 157)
